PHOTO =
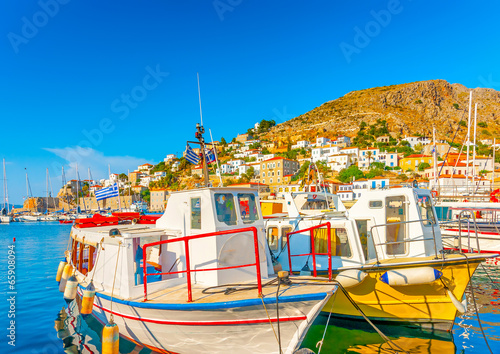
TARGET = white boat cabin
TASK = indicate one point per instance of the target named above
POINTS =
(399, 222)
(188, 213)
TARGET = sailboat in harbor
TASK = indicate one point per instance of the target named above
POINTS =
(4, 214)
(30, 216)
(47, 216)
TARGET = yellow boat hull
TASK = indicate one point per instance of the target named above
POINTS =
(424, 305)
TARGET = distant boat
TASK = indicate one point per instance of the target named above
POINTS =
(5, 217)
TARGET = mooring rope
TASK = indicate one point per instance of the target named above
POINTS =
(320, 343)
(114, 278)
(475, 305)
(270, 322)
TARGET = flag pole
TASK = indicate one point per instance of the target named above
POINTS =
(216, 158)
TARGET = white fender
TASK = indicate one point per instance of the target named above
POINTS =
(350, 278)
(411, 276)
(461, 306)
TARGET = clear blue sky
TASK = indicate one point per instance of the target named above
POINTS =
(100, 82)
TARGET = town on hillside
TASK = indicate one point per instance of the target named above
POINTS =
(346, 165)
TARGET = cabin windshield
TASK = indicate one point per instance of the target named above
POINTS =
(225, 207)
(339, 241)
(311, 204)
(425, 209)
(248, 207)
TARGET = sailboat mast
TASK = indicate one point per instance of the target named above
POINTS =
(468, 142)
(4, 203)
(47, 189)
(77, 190)
(434, 155)
(474, 173)
(6, 189)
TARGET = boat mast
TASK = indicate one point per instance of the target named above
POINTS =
(474, 173)
(493, 173)
(77, 190)
(199, 135)
(434, 156)
(47, 190)
(6, 190)
(468, 143)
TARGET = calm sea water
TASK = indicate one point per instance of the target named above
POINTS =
(44, 324)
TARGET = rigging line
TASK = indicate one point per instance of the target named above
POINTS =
(114, 278)
(270, 322)
(488, 274)
(454, 136)
(475, 305)
(384, 337)
(278, 314)
(97, 259)
(320, 343)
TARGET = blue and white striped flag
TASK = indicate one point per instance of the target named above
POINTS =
(191, 156)
(108, 192)
(210, 155)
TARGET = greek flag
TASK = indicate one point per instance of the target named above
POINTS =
(191, 156)
(108, 192)
(210, 155)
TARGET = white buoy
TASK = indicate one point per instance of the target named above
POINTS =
(411, 276)
(71, 288)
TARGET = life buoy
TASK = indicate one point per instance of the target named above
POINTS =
(434, 194)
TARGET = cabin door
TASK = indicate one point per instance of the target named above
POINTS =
(395, 211)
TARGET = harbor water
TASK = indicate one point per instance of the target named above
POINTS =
(35, 319)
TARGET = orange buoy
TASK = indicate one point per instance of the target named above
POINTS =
(88, 300)
(110, 338)
(70, 290)
(60, 270)
(68, 269)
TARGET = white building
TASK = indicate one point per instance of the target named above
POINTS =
(338, 162)
(415, 140)
(322, 141)
(300, 144)
(322, 153)
(169, 157)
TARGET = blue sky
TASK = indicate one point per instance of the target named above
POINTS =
(115, 82)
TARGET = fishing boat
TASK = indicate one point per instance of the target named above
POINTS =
(200, 279)
(5, 216)
(387, 253)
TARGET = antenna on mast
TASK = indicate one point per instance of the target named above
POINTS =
(199, 97)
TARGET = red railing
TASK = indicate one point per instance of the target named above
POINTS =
(313, 252)
(188, 270)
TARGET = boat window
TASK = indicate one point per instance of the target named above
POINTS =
(196, 213)
(395, 214)
(224, 205)
(284, 236)
(339, 241)
(272, 238)
(362, 226)
(248, 207)
(425, 209)
(375, 204)
(152, 259)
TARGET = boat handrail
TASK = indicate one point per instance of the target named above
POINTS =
(188, 269)
(468, 230)
(404, 241)
(313, 252)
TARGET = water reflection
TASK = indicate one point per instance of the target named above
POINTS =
(83, 335)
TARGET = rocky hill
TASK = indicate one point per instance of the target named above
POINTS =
(412, 108)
